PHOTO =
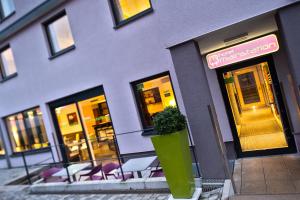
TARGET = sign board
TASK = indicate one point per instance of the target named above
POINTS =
(247, 50)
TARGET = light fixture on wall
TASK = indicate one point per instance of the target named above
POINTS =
(236, 39)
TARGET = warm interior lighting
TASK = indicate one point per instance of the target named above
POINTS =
(156, 95)
(250, 89)
(129, 8)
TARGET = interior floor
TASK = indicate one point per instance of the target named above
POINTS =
(255, 108)
(261, 130)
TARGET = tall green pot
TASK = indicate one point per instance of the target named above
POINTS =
(174, 155)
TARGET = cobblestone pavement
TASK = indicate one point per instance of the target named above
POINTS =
(8, 175)
(21, 193)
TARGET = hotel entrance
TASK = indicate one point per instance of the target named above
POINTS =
(255, 108)
(84, 128)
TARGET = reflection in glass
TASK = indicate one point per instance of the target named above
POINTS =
(8, 62)
(60, 34)
(129, 8)
(154, 96)
(98, 127)
(2, 150)
(8, 7)
(27, 130)
(72, 133)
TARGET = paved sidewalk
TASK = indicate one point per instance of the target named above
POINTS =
(21, 193)
(9, 175)
(270, 175)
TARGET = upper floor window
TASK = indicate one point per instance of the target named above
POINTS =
(2, 150)
(7, 8)
(153, 95)
(26, 130)
(124, 10)
(7, 63)
(59, 34)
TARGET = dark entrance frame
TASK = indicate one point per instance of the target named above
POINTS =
(282, 110)
(74, 99)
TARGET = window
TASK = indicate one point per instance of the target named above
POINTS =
(7, 66)
(26, 130)
(124, 10)
(7, 8)
(153, 96)
(2, 150)
(59, 34)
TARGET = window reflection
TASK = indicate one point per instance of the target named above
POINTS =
(129, 8)
(27, 130)
(153, 97)
(2, 150)
(60, 35)
(7, 7)
(8, 65)
(86, 125)
(98, 126)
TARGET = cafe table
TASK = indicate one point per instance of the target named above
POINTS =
(72, 169)
(137, 165)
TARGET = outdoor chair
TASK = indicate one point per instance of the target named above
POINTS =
(157, 172)
(48, 178)
(92, 174)
(109, 168)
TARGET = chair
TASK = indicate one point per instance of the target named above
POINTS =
(91, 174)
(48, 178)
(108, 168)
(157, 172)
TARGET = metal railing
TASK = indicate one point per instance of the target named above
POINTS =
(119, 158)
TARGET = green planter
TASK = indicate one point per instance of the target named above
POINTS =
(174, 155)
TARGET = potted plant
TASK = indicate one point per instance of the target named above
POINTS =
(172, 148)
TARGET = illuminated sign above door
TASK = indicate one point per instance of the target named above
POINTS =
(254, 48)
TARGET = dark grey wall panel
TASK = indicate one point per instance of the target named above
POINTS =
(196, 97)
(288, 21)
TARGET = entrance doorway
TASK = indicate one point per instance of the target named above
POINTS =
(255, 108)
(84, 127)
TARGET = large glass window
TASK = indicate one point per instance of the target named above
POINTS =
(7, 8)
(59, 33)
(126, 9)
(26, 130)
(153, 96)
(8, 66)
(86, 126)
(2, 150)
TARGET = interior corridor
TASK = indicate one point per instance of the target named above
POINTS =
(261, 130)
(255, 108)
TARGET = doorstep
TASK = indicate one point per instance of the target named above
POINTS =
(106, 186)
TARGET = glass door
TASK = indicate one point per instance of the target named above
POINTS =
(84, 127)
(98, 128)
(255, 108)
(72, 133)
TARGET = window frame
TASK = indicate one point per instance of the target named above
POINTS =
(53, 53)
(3, 75)
(137, 97)
(31, 151)
(118, 24)
(2, 17)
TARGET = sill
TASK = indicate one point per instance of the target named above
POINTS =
(8, 77)
(149, 132)
(66, 50)
(8, 16)
(31, 152)
(2, 156)
(133, 18)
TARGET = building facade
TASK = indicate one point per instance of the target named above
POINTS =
(76, 74)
